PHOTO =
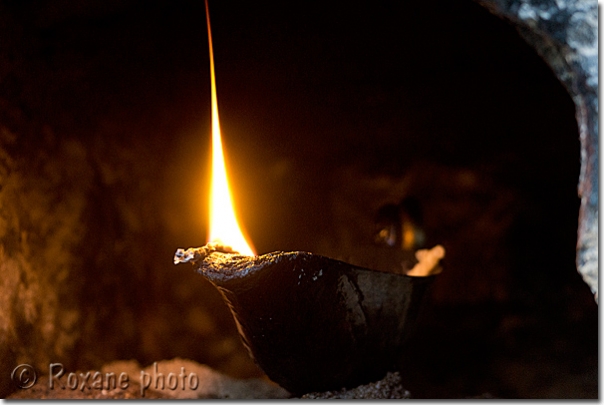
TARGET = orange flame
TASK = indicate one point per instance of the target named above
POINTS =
(224, 228)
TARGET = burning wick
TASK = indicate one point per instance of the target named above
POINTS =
(224, 228)
(195, 255)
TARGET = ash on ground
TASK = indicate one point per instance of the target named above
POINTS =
(390, 387)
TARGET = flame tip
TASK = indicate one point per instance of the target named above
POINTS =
(224, 228)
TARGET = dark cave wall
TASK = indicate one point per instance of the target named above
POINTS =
(565, 34)
(41, 227)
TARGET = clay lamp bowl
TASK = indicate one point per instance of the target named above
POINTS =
(313, 323)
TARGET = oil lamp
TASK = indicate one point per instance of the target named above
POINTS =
(311, 323)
